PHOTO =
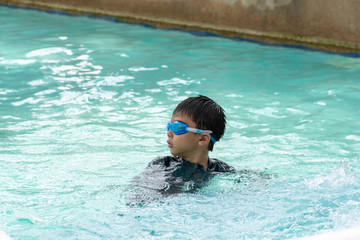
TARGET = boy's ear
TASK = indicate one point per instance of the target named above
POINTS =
(204, 139)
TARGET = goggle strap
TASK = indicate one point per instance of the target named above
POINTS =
(195, 130)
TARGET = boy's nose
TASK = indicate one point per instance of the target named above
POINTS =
(170, 133)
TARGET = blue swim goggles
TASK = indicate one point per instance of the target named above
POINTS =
(179, 128)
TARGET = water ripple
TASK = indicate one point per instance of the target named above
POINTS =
(48, 51)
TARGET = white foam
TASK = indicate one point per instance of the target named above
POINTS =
(4, 236)
(138, 69)
(353, 137)
(346, 234)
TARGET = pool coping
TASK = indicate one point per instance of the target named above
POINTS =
(200, 29)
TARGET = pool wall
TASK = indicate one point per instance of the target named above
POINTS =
(325, 24)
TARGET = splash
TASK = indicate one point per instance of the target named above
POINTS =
(342, 175)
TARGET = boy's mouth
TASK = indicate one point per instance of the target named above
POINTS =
(169, 144)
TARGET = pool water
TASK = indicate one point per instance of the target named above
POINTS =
(84, 104)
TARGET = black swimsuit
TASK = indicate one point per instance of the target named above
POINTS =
(172, 174)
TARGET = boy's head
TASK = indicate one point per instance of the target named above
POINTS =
(206, 114)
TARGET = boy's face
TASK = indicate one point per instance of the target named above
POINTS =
(186, 144)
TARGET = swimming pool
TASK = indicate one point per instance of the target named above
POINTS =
(84, 104)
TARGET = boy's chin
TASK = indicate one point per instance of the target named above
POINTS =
(173, 152)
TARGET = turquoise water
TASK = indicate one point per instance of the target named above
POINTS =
(83, 108)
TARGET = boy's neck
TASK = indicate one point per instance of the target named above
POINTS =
(201, 159)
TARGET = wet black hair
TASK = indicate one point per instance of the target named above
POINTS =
(206, 113)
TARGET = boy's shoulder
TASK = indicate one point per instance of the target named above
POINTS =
(216, 165)
(165, 160)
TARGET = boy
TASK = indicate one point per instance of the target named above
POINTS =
(196, 125)
(187, 137)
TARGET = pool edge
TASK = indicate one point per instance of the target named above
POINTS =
(317, 43)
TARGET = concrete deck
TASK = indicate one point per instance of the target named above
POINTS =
(323, 24)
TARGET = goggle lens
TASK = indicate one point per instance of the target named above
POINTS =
(177, 127)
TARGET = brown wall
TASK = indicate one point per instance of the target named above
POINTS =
(330, 24)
